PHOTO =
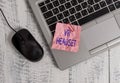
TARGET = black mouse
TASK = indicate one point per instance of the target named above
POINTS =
(26, 44)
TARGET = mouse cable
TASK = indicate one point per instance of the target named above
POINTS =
(7, 21)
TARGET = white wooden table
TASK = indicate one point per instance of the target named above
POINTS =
(14, 68)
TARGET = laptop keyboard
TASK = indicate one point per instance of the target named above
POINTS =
(77, 12)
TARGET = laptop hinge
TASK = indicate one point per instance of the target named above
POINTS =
(98, 49)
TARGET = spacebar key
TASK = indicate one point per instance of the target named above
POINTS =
(93, 16)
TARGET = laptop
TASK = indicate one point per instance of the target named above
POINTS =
(97, 18)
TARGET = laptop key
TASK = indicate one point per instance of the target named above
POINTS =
(84, 5)
(62, 1)
(66, 13)
(93, 16)
(72, 10)
(78, 15)
(102, 4)
(49, 6)
(60, 16)
(51, 20)
(55, 11)
(108, 1)
(56, 3)
(111, 7)
(97, 1)
(91, 2)
(84, 12)
(52, 27)
(80, 1)
(96, 6)
(47, 1)
(78, 7)
(48, 14)
(75, 23)
(72, 18)
(68, 5)
(41, 4)
(90, 9)
(61, 8)
(53, 32)
(117, 4)
(43, 9)
(65, 20)
(74, 2)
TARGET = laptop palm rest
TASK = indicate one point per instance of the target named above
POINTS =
(101, 33)
(66, 59)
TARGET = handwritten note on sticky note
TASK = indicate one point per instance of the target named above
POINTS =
(66, 37)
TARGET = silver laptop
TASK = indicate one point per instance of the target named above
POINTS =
(99, 26)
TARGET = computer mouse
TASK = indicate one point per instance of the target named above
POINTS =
(26, 44)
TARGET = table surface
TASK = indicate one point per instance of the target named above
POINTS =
(14, 68)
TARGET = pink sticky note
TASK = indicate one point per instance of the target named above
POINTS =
(66, 37)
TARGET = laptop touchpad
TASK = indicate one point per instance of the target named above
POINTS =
(101, 33)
